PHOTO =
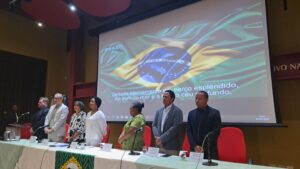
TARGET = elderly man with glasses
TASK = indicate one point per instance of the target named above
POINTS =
(56, 119)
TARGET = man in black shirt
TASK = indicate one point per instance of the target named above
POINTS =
(7, 118)
(38, 118)
(201, 121)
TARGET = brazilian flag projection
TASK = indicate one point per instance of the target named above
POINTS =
(229, 50)
(66, 160)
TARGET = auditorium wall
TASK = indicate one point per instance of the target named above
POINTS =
(265, 145)
(280, 146)
(22, 36)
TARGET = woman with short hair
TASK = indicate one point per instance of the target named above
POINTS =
(76, 131)
(135, 123)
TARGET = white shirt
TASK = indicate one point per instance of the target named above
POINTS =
(95, 128)
(164, 115)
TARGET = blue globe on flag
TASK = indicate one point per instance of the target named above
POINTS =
(165, 64)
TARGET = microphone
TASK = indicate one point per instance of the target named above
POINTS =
(209, 161)
(21, 115)
(27, 113)
(135, 133)
(139, 130)
(39, 128)
(70, 139)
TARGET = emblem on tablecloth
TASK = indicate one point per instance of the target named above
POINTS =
(67, 160)
(72, 163)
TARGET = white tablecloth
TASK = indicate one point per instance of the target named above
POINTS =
(37, 156)
(175, 162)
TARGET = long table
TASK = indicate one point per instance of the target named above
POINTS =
(26, 155)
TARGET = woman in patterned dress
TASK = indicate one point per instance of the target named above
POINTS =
(77, 124)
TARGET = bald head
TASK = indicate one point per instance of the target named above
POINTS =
(58, 99)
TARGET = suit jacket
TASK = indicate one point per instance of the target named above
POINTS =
(199, 124)
(170, 135)
(38, 120)
(59, 122)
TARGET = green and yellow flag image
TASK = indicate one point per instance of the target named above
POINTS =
(66, 160)
(230, 48)
(161, 66)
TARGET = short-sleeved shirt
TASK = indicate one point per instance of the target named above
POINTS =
(135, 122)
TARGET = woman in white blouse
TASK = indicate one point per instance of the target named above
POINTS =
(95, 123)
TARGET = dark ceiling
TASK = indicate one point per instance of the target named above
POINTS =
(111, 14)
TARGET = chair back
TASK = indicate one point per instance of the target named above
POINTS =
(106, 137)
(231, 145)
(147, 136)
(66, 132)
(186, 145)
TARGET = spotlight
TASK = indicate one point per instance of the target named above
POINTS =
(40, 24)
(72, 7)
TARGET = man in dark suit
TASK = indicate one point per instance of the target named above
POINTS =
(166, 125)
(201, 121)
(38, 118)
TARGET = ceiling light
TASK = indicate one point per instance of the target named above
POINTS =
(72, 7)
(39, 24)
